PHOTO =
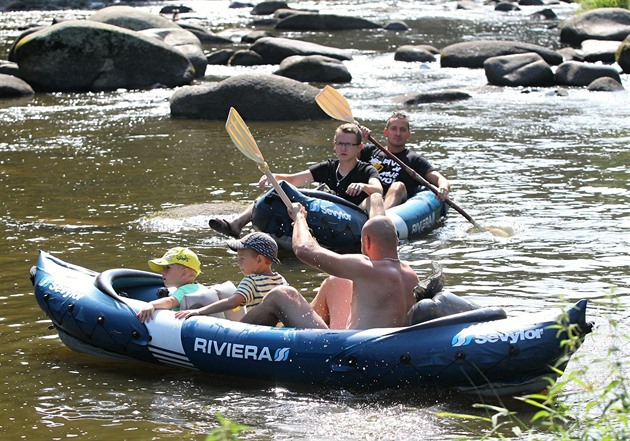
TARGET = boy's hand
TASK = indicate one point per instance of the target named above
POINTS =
(146, 313)
(297, 208)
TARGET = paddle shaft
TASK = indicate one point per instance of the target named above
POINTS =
(420, 179)
(274, 182)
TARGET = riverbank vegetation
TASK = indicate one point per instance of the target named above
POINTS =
(587, 5)
(579, 406)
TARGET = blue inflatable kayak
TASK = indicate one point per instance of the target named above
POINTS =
(478, 351)
(336, 223)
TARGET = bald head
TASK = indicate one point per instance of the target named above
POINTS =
(381, 233)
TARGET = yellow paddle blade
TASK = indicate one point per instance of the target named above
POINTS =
(334, 104)
(242, 137)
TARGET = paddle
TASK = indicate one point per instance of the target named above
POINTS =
(243, 139)
(336, 106)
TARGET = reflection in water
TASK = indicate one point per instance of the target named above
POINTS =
(88, 177)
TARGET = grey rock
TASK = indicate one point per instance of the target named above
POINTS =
(596, 24)
(274, 50)
(526, 70)
(472, 54)
(256, 97)
(573, 73)
(314, 68)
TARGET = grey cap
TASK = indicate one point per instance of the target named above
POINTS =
(261, 243)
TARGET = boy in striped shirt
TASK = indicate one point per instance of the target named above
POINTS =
(256, 254)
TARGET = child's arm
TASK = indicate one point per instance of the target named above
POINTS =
(232, 302)
(146, 313)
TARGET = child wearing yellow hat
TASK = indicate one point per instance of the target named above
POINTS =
(179, 268)
(256, 253)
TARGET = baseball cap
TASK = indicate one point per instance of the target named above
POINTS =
(180, 255)
(261, 243)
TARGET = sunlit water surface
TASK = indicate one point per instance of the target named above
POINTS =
(86, 176)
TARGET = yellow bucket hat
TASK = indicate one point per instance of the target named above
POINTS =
(180, 255)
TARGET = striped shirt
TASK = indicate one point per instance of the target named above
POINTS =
(255, 286)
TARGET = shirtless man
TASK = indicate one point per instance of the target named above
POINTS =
(382, 285)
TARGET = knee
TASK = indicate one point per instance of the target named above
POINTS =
(398, 188)
(281, 294)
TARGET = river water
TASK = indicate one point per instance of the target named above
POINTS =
(94, 177)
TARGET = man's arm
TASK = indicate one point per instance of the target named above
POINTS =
(299, 179)
(309, 251)
(437, 179)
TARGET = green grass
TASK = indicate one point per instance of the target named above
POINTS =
(587, 5)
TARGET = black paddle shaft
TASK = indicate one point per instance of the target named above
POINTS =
(420, 179)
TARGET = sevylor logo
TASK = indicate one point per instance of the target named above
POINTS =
(464, 338)
(316, 207)
(237, 350)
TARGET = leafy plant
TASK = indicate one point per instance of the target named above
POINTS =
(572, 408)
(228, 430)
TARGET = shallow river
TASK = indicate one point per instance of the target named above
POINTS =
(89, 176)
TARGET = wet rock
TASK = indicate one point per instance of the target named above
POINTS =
(268, 7)
(421, 53)
(605, 85)
(185, 42)
(506, 7)
(131, 18)
(85, 55)
(220, 57)
(204, 35)
(526, 70)
(284, 13)
(245, 57)
(9, 68)
(569, 54)
(596, 24)
(255, 36)
(314, 69)
(256, 97)
(599, 50)
(14, 87)
(573, 73)
(544, 14)
(472, 54)
(274, 50)
(396, 26)
(435, 97)
(324, 22)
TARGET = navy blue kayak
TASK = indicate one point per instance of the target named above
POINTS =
(479, 351)
(336, 223)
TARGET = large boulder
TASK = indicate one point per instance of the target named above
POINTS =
(599, 50)
(131, 18)
(274, 50)
(519, 70)
(596, 24)
(314, 69)
(324, 22)
(605, 85)
(623, 55)
(14, 87)
(185, 42)
(90, 56)
(268, 7)
(472, 54)
(574, 73)
(256, 97)
(422, 53)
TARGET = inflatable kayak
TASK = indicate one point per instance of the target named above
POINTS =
(479, 351)
(336, 223)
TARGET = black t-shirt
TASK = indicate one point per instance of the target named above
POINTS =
(390, 171)
(327, 173)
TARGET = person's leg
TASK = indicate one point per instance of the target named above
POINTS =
(232, 228)
(396, 195)
(284, 304)
(332, 302)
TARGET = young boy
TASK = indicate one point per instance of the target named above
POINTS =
(179, 267)
(256, 253)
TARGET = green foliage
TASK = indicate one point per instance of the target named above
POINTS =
(227, 431)
(573, 407)
(587, 5)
